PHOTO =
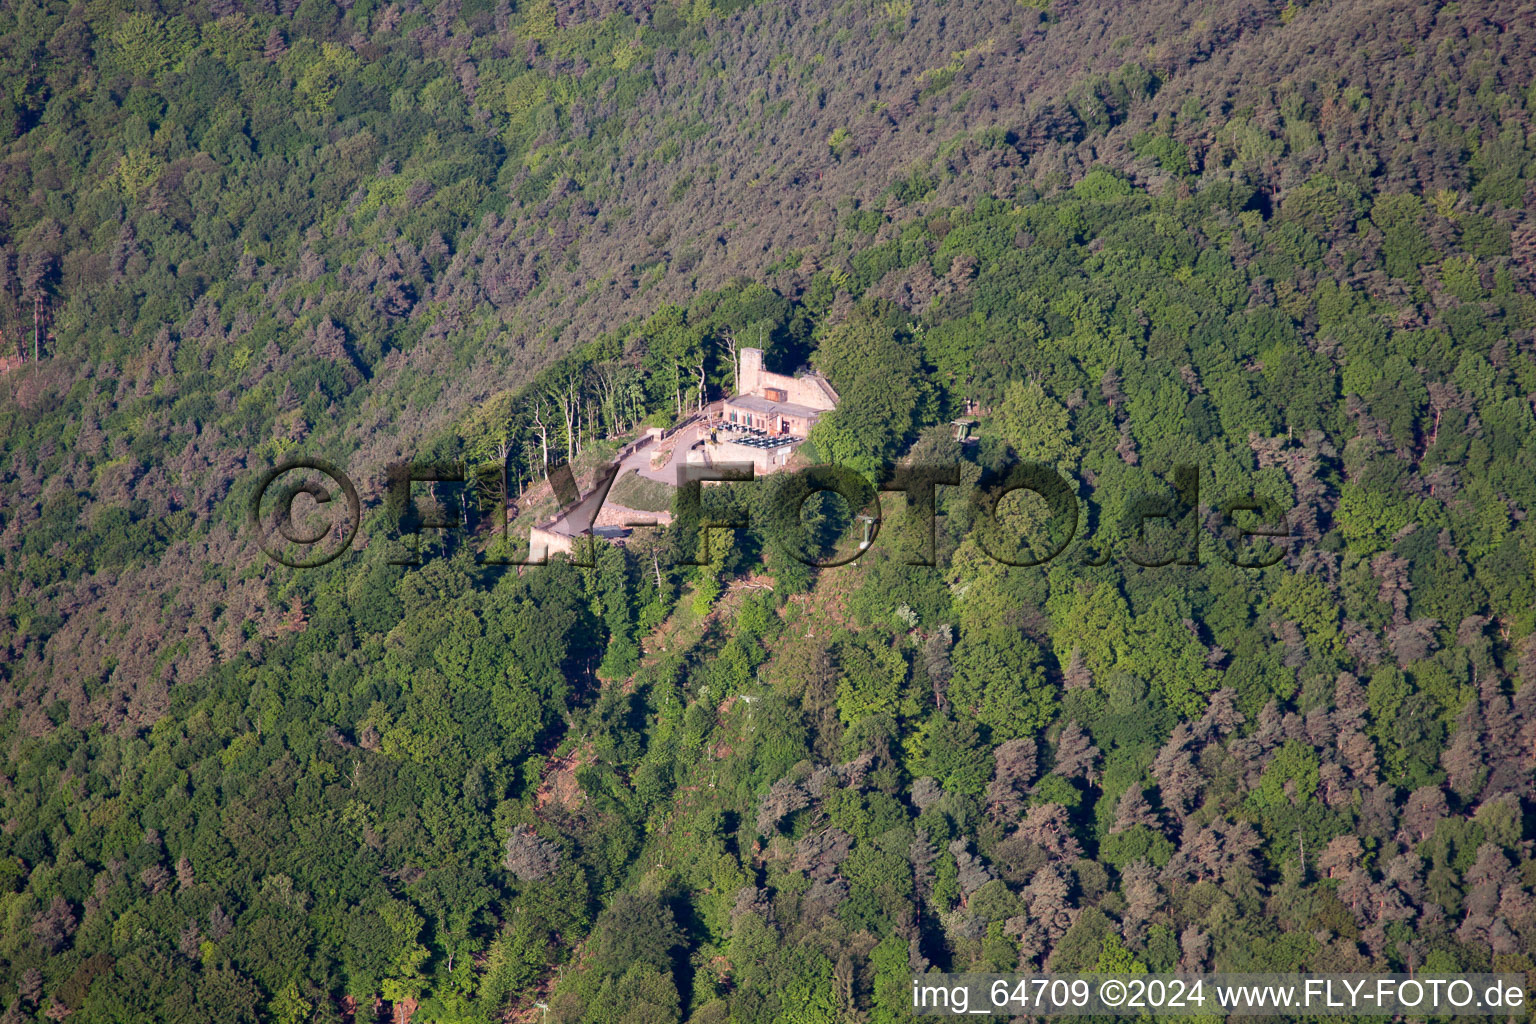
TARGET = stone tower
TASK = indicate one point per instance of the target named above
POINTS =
(749, 379)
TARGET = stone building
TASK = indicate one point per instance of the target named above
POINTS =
(771, 414)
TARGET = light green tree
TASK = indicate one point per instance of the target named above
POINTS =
(1038, 427)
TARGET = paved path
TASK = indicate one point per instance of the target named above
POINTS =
(640, 461)
(576, 519)
(686, 437)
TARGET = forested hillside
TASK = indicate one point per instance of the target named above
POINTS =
(1288, 245)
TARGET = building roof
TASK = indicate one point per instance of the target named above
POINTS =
(756, 403)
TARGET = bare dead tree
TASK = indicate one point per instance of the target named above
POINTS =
(567, 398)
(543, 431)
(730, 351)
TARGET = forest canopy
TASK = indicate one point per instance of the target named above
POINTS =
(1288, 246)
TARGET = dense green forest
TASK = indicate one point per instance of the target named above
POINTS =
(1290, 245)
